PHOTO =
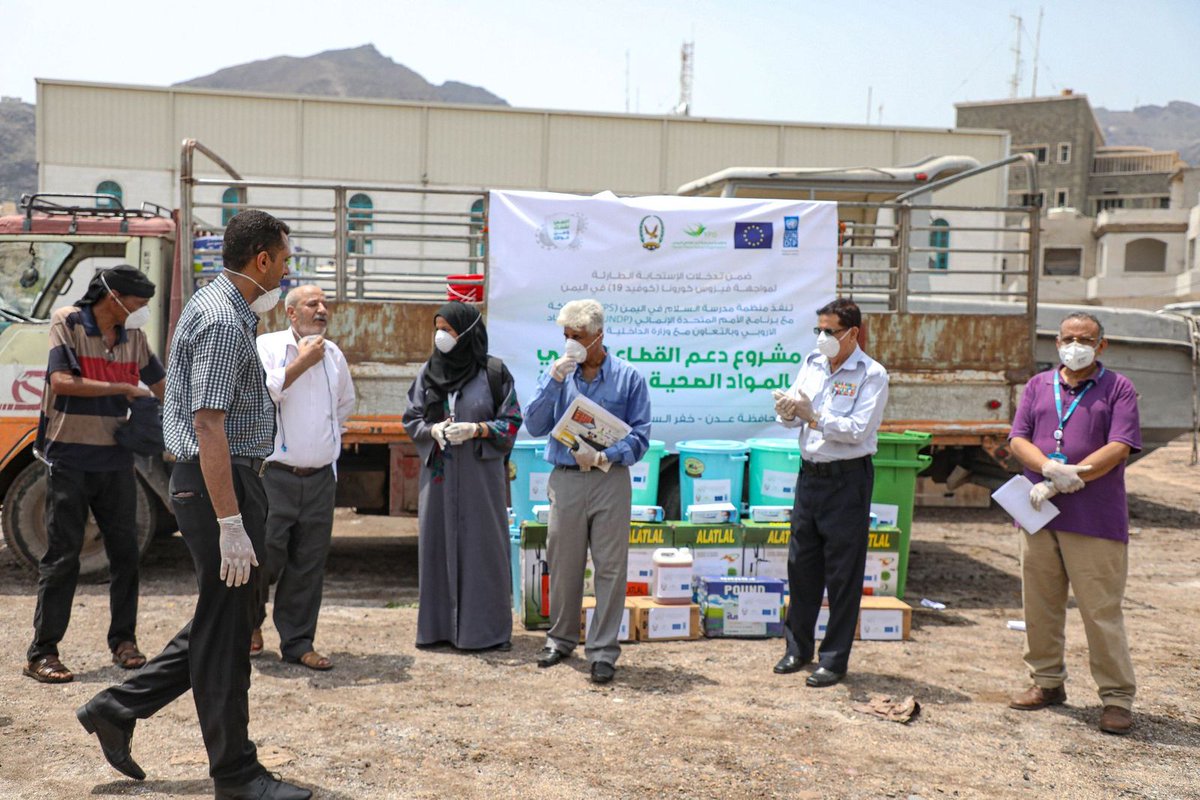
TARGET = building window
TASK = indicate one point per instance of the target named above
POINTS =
(1064, 152)
(1041, 152)
(360, 223)
(1038, 199)
(1062, 198)
(111, 188)
(1164, 202)
(1106, 203)
(939, 238)
(1146, 255)
(231, 199)
(478, 246)
(1062, 261)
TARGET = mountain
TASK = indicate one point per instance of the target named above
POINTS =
(18, 167)
(1175, 126)
(357, 72)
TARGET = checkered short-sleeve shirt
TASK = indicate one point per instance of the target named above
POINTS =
(214, 364)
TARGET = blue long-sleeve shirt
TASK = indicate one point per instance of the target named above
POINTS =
(617, 388)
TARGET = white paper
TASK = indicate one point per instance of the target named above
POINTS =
(1013, 497)
(885, 513)
(707, 490)
(585, 421)
(779, 484)
(639, 475)
(759, 606)
(538, 482)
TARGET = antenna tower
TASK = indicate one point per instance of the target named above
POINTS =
(686, 58)
(1015, 84)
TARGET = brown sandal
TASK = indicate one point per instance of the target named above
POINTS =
(48, 669)
(127, 656)
(313, 660)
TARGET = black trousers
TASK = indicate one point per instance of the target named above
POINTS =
(211, 655)
(112, 498)
(828, 550)
(299, 530)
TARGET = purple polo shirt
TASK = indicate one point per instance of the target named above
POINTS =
(1107, 413)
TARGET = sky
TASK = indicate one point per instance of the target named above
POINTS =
(801, 61)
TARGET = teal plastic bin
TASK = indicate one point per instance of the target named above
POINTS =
(643, 476)
(530, 471)
(514, 549)
(711, 471)
(774, 467)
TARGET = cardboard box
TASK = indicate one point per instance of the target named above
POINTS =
(645, 513)
(662, 623)
(716, 549)
(711, 513)
(644, 539)
(747, 607)
(627, 631)
(882, 573)
(770, 513)
(884, 619)
(765, 550)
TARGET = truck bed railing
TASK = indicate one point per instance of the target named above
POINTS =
(357, 242)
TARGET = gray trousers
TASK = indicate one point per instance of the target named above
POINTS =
(588, 510)
(299, 528)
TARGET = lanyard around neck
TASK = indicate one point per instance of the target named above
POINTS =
(1058, 404)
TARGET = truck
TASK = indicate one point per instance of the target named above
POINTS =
(959, 344)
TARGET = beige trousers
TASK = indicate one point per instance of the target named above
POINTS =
(1095, 570)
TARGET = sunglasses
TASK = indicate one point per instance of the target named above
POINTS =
(829, 331)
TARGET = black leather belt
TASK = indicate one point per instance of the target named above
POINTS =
(257, 464)
(302, 472)
(573, 467)
(826, 469)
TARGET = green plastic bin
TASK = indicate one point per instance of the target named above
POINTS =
(897, 464)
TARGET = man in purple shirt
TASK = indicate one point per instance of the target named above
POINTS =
(1076, 426)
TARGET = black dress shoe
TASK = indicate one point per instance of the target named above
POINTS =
(824, 677)
(550, 656)
(790, 663)
(115, 737)
(265, 787)
(603, 672)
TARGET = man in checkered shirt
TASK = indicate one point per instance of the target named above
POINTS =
(219, 423)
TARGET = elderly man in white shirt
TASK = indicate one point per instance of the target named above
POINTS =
(309, 380)
(837, 402)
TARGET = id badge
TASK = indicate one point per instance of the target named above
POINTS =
(1059, 457)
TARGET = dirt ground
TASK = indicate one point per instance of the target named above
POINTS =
(690, 719)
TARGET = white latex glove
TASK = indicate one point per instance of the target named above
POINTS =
(587, 457)
(1065, 477)
(237, 554)
(438, 432)
(1040, 493)
(804, 408)
(459, 432)
(785, 405)
(563, 368)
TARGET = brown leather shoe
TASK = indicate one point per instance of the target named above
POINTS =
(1036, 697)
(1116, 720)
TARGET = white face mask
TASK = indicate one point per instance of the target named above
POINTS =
(829, 346)
(1076, 356)
(577, 351)
(444, 341)
(136, 319)
(265, 301)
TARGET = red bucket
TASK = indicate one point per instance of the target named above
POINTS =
(465, 288)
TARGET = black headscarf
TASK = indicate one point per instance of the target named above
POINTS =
(122, 279)
(449, 372)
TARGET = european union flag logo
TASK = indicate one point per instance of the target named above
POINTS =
(752, 235)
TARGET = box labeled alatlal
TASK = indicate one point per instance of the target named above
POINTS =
(738, 606)
(882, 573)
(656, 622)
(644, 539)
(716, 549)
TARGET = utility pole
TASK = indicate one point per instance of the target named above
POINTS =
(1015, 84)
(1037, 50)
(686, 57)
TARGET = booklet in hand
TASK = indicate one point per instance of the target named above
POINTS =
(586, 422)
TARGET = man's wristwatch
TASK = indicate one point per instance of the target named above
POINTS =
(481, 429)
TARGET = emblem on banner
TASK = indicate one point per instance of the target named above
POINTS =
(752, 235)
(561, 231)
(791, 232)
(651, 231)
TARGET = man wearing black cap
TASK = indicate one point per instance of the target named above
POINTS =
(98, 363)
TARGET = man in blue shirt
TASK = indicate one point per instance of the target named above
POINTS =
(589, 506)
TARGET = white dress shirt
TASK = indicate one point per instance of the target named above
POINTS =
(309, 413)
(849, 405)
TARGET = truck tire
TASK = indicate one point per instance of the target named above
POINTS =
(24, 520)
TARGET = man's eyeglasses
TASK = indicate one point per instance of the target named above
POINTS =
(829, 331)
(1086, 341)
